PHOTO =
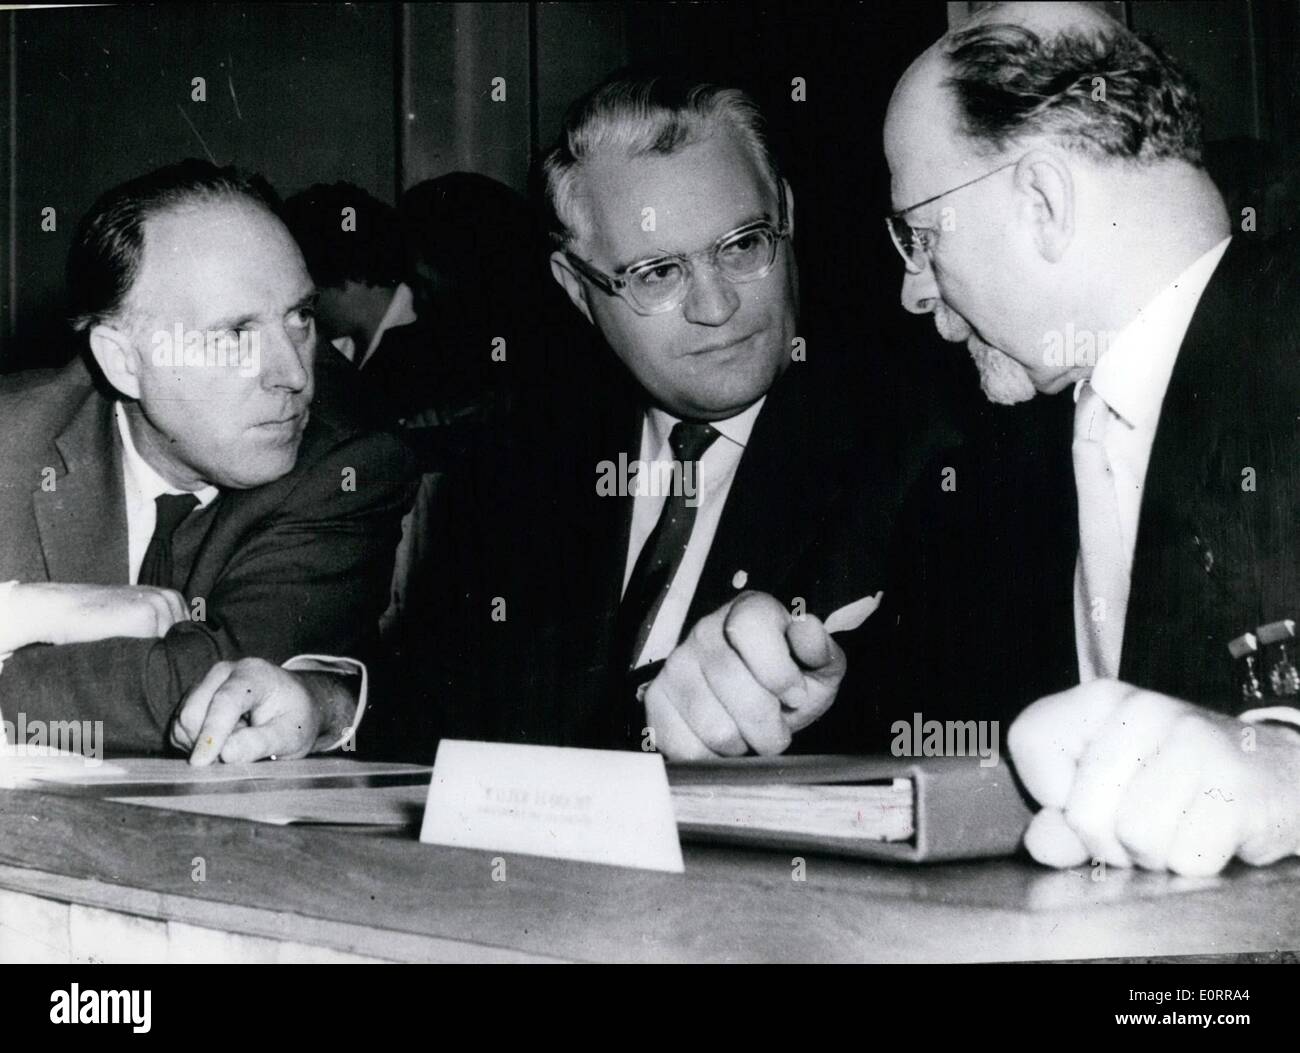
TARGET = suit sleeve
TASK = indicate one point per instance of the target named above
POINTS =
(312, 577)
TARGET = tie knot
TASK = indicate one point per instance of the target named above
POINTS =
(689, 440)
(172, 508)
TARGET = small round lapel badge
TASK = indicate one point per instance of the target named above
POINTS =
(1205, 552)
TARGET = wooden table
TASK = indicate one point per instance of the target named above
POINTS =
(87, 879)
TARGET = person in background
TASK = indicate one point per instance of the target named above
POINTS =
(353, 246)
(474, 258)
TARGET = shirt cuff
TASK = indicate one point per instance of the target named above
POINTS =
(320, 663)
(5, 588)
(1280, 714)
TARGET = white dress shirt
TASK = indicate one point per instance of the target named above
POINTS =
(143, 486)
(717, 470)
(401, 311)
(1131, 377)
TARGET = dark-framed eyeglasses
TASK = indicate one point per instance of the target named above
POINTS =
(915, 243)
(653, 286)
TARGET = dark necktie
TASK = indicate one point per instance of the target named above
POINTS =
(156, 569)
(663, 550)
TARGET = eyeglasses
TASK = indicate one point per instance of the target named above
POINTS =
(914, 243)
(746, 254)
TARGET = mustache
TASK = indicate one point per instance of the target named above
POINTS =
(952, 327)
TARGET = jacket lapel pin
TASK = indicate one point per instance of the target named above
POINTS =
(1206, 553)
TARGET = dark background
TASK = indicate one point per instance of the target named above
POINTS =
(386, 95)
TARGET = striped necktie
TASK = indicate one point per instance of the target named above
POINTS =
(662, 553)
(1102, 572)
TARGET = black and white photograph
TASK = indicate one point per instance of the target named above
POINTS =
(650, 483)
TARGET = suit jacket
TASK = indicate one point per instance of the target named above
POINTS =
(519, 648)
(299, 565)
(987, 581)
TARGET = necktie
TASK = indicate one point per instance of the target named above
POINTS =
(156, 568)
(663, 550)
(1102, 572)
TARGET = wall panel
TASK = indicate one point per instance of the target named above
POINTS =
(300, 93)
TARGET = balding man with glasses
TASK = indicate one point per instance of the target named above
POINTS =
(1129, 585)
(680, 556)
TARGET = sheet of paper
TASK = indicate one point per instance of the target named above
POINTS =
(29, 765)
(176, 771)
(388, 806)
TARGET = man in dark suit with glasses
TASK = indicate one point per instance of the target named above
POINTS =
(672, 556)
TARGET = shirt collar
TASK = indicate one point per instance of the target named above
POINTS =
(140, 475)
(1132, 374)
(401, 311)
(736, 428)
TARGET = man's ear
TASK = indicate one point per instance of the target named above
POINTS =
(789, 205)
(115, 352)
(569, 281)
(1046, 191)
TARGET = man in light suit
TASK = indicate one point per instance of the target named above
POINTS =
(1127, 535)
(681, 607)
(178, 516)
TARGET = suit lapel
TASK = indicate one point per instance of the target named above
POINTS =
(780, 485)
(82, 520)
(607, 545)
(587, 575)
(1193, 573)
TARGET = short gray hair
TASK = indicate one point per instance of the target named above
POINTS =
(640, 115)
(1010, 83)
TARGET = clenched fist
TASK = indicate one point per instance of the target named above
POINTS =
(1137, 778)
(746, 678)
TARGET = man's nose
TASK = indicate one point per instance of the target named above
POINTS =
(286, 363)
(920, 291)
(712, 299)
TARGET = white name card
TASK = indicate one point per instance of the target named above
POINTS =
(597, 806)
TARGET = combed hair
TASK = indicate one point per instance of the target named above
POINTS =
(1011, 84)
(636, 115)
(108, 245)
(370, 253)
